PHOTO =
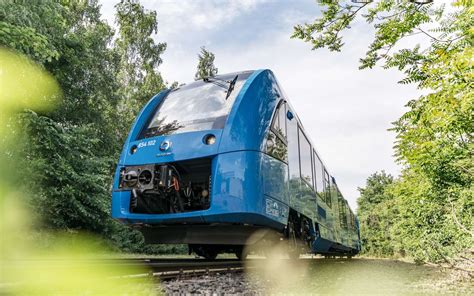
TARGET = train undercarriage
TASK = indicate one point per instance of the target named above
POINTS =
(185, 186)
(210, 240)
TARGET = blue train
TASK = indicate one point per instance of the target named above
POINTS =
(225, 162)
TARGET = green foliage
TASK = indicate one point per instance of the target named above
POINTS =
(139, 55)
(408, 216)
(393, 21)
(376, 215)
(70, 184)
(430, 226)
(427, 212)
(32, 28)
(27, 40)
(70, 152)
(435, 143)
(205, 67)
(374, 192)
(335, 18)
(436, 135)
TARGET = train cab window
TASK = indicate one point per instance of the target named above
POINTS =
(279, 121)
(305, 159)
(276, 121)
(282, 118)
(318, 174)
(276, 138)
(201, 105)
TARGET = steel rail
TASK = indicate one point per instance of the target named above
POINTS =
(166, 269)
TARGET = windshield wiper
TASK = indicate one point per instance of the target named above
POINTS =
(231, 86)
(218, 82)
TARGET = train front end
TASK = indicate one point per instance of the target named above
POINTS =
(189, 171)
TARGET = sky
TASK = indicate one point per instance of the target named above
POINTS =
(345, 111)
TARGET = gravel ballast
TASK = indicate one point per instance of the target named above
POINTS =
(213, 284)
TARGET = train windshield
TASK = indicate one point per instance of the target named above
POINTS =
(201, 105)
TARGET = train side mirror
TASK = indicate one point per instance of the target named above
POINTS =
(290, 115)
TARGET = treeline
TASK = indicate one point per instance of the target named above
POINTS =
(67, 155)
(427, 212)
(409, 217)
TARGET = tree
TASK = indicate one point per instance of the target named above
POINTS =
(205, 67)
(139, 56)
(435, 137)
(69, 161)
(69, 165)
(374, 191)
(376, 215)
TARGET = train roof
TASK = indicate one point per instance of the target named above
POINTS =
(224, 76)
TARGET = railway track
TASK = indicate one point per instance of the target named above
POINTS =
(164, 269)
(167, 269)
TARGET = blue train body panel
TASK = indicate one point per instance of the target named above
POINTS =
(230, 199)
(232, 167)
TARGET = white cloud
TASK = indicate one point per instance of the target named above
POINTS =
(189, 15)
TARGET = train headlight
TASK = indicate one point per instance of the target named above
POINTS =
(209, 139)
(133, 149)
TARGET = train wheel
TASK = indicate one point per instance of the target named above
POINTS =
(241, 254)
(208, 252)
(210, 255)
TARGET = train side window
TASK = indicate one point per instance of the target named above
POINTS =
(351, 219)
(347, 215)
(306, 172)
(342, 210)
(318, 174)
(327, 189)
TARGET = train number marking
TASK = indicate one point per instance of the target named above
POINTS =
(147, 143)
(272, 208)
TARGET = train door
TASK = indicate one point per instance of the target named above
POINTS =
(307, 198)
(323, 204)
(275, 168)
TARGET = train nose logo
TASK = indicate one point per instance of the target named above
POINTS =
(165, 145)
